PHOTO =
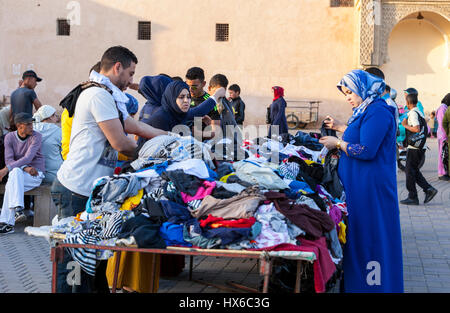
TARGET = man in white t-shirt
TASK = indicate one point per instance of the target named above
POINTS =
(414, 156)
(98, 133)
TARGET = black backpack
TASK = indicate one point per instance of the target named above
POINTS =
(418, 140)
(70, 100)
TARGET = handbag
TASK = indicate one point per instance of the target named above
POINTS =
(268, 117)
(444, 155)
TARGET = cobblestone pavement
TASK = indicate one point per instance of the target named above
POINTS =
(25, 262)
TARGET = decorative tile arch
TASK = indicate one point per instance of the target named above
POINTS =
(375, 30)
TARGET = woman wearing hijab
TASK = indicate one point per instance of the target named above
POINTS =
(442, 136)
(278, 111)
(152, 89)
(373, 252)
(175, 106)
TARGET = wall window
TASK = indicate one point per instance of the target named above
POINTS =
(144, 30)
(63, 27)
(222, 32)
(342, 3)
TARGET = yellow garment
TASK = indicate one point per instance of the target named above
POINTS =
(132, 202)
(342, 235)
(225, 178)
(134, 271)
(122, 157)
(66, 127)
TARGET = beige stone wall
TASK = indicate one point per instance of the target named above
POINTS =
(304, 46)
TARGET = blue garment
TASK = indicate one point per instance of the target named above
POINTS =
(369, 87)
(158, 168)
(228, 235)
(278, 116)
(170, 115)
(304, 139)
(173, 234)
(368, 175)
(152, 88)
(132, 105)
(175, 212)
(297, 188)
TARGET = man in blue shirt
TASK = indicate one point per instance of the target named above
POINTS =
(24, 97)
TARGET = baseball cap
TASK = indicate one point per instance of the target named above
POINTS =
(23, 117)
(411, 91)
(31, 73)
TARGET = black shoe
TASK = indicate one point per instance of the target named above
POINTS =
(444, 178)
(20, 217)
(410, 201)
(429, 194)
(6, 229)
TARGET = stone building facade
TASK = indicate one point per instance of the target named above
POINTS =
(306, 46)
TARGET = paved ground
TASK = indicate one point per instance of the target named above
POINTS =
(25, 265)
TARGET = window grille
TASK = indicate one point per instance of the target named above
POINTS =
(222, 32)
(145, 31)
(63, 27)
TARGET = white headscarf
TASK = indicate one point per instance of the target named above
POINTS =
(43, 113)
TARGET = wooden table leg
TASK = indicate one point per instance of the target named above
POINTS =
(116, 271)
(265, 269)
(55, 268)
(152, 271)
(298, 277)
(191, 261)
(56, 256)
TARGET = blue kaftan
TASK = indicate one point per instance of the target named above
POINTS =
(373, 252)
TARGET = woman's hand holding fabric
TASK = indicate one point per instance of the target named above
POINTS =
(329, 142)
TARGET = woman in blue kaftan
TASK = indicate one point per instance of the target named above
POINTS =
(367, 168)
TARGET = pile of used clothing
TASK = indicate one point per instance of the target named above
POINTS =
(176, 194)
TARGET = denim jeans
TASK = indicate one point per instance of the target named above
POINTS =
(68, 203)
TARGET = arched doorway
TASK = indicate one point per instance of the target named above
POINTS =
(418, 56)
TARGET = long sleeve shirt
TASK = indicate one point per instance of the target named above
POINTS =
(19, 153)
(239, 110)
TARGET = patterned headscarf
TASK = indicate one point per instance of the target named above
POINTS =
(369, 87)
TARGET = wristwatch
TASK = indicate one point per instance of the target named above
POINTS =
(338, 144)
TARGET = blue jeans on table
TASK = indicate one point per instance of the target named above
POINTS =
(67, 202)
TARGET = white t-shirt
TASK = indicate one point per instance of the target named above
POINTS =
(413, 120)
(90, 154)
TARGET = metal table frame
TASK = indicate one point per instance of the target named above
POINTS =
(265, 266)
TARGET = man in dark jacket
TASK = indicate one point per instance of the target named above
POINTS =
(237, 104)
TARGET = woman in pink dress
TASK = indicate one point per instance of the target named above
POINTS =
(441, 136)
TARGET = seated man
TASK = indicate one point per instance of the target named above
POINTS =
(26, 167)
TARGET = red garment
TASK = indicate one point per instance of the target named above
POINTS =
(323, 265)
(216, 222)
(278, 92)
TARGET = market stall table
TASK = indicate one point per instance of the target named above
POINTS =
(265, 257)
